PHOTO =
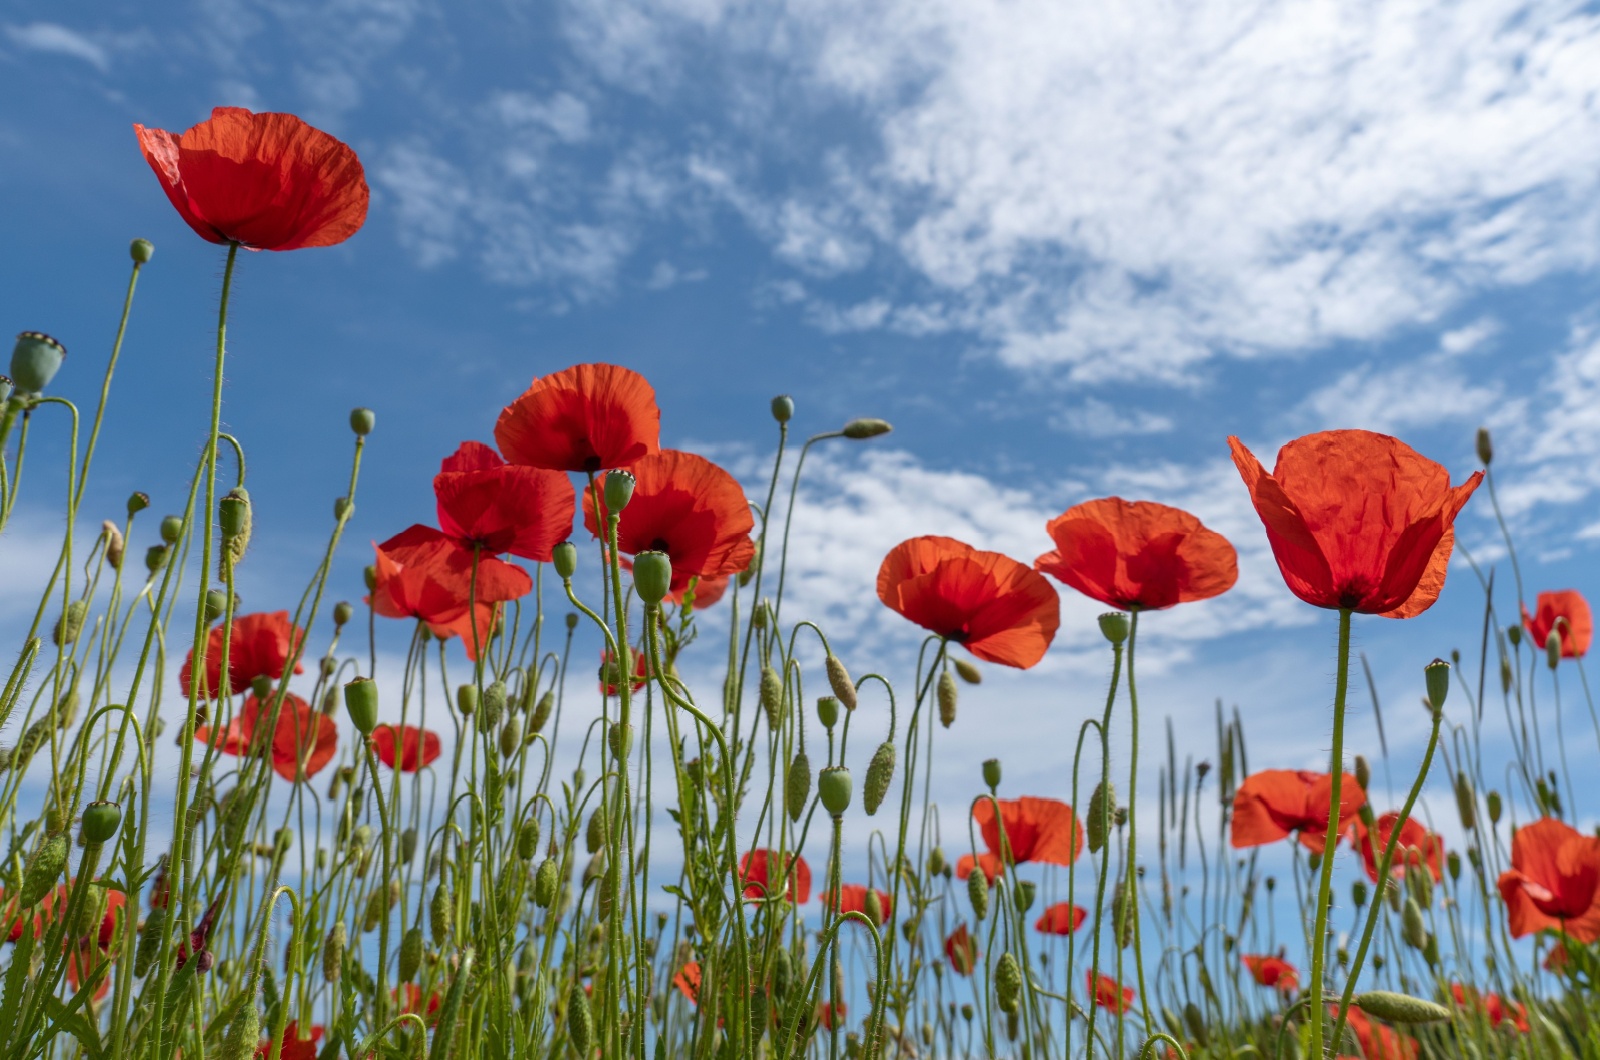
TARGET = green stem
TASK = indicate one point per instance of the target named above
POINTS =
(1319, 941)
(1130, 900)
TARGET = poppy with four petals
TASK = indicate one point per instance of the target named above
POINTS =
(1416, 845)
(1553, 882)
(499, 507)
(585, 418)
(762, 870)
(1138, 555)
(1569, 608)
(1063, 918)
(405, 747)
(685, 506)
(301, 735)
(1036, 830)
(260, 646)
(1272, 803)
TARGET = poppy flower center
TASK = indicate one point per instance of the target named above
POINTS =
(660, 545)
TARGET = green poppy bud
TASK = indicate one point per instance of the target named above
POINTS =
(797, 786)
(833, 787)
(410, 954)
(511, 736)
(149, 941)
(1399, 1008)
(783, 408)
(1007, 983)
(1514, 634)
(44, 868)
(991, 772)
(936, 861)
(243, 1031)
(441, 910)
(771, 695)
(137, 502)
(865, 427)
(542, 711)
(494, 705)
(1419, 882)
(1552, 649)
(839, 680)
(343, 508)
(1412, 928)
(872, 906)
(361, 703)
(947, 699)
(618, 490)
(362, 421)
(333, 952)
(1114, 626)
(35, 359)
(969, 673)
(408, 845)
(594, 836)
(1492, 803)
(978, 893)
(1195, 1020)
(369, 577)
(1101, 804)
(1363, 772)
(233, 513)
(101, 821)
(782, 973)
(155, 557)
(580, 1021)
(342, 612)
(1485, 447)
(171, 529)
(828, 711)
(467, 699)
(70, 624)
(652, 576)
(528, 838)
(545, 880)
(1452, 864)
(1466, 801)
(141, 251)
(1437, 674)
(1024, 894)
(564, 557)
(880, 774)
(1358, 893)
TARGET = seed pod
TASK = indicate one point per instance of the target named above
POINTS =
(545, 881)
(361, 703)
(619, 738)
(244, 1031)
(772, 695)
(1122, 914)
(833, 787)
(839, 680)
(441, 910)
(880, 774)
(101, 821)
(149, 941)
(511, 735)
(410, 954)
(408, 845)
(44, 868)
(1399, 1008)
(978, 893)
(1101, 804)
(1412, 928)
(797, 791)
(580, 1021)
(1466, 801)
(828, 711)
(70, 624)
(594, 837)
(936, 861)
(1419, 884)
(991, 772)
(1492, 803)
(467, 699)
(333, 952)
(542, 711)
(1007, 982)
(947, 699)
(1358, 893)
(528, 837)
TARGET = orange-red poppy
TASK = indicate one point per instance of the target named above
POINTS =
(1377, 1041)
(1063, 918)
(302, 734)
(1577, 624)
(828, 1014)
(1271, 804)
(998, 609)
(1042, 830)
(762, 870)
(425, 574)
(1553, 882)
(412, 1002)
(853, 899)
(687, 980)
(260, 646)
(84, 954)
(1138, 554)
(1357, 520)
(1268, 970)
(264, 181)
(1496, 1009)
(501, 507)
(1416, 845)
(1108, 993)
(585, 418)
(294, 1046)
(610, 679)
(961, 950)
(685, 506)
(405, 747)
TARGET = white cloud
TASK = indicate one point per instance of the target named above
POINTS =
(56, 39)
(1100, 419)
(1393, 396)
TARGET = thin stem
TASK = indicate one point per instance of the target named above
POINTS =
(1319, 942)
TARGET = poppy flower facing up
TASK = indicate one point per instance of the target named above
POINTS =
(424, 574)
(405, 747)
(761, 869)
(1553, 882)
(501, 507)
(1138, 555)
(1042, 830)
(1377, 1041)
(260, 646)
(1267, 970)
(961, 950)
(1063, 918)
(294, 1047)
(1108, 993)
(585, 418)
(264, 181)
(1272, 803)
(1416, 845)
(853, 899)
(685, 506)
(998, 609)
(1357, 520)
(1494, 1007)
(1577, 627)
(301, 734)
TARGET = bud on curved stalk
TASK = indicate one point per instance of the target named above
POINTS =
(1493, 805)
(542, 711)
(1485, 447)
(361, 704)
(362, 420)
(1101, 804)
(379, 902)
(619, 738)
(1412, 928)
(44, 868)
(408, 845)
(797, 786)
(410, 954)
(511, 736)
(70, 624)
(1114, 626)
(936, 862)
(947, 699)
(828, 711)
(545, 881)
(839, 680)
(880, 774)
(244, 1031)
(865, 427)
(580, 1021)
(978, 893)
(528, 838)
(441, 910)
(1437, 675)
(618, 490)
(35, 359)
(1466, 801)
(834, 789)
(1399, 1008)
(771, 696)
(1122, 913)
(1363, 772)
(783, 408)
(969, 672)
(116, 547)
(1007, 983)
(493, 705)
(872, 906)
(1023, 896)
(1552, 647)
(333, 952)
(594, 836)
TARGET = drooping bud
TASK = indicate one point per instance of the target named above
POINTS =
(1358, 893)
(1552, 648)
(408, 845)
(115, 545)
(35, 359)
(361, 703)
(234, 517)
(1412, 928)
(580, 1021)
(1363, 772)
(594, 836)
(872, 906)
(379, 902)
(333, 952)
(1452, 864)
(652, 576)
(1419, 884)
(839, 680)
(1492, 803)
(441, 911)
(833, 787)
(1485, 447)
(149, 941)
(771, 695)
(1100, 805)
(978, 892)
(1399, 1008)
(1114, 626)
(542, 711)
(797, 787)
(783, 408)
(1122, 913)
(828, 711)
(244, 1030)
(1437, 674)
(880, 774)
(947, 699)
(528, 837)
(618, 490)
(70, 624)
(545, 880)
(1007, 983)
(141, 251)
(511, 736)
(936, 861)
(866, 427)
(493, 704)
(969, 673)
(1466, 802)
(1023, 896)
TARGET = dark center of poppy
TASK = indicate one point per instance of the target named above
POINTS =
(660, 545)
(591, 464)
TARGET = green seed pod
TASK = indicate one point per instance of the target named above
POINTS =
(839, 680)
(362, 421)
(978, 893)
(1358, 893)
(1023, 896)
(379, 902)
(35, 359)
(155, 557)
(833, 787)
(797, 790)
(783, 408)
(1399, 1008)
(936, 861)
(70, 624)
(828, 711)
(1419, 884)
(542, 711)
(947, 699)
(333, 952)
(991, 773)
(1007, 983)
(594, 836)
(564, 557)
(234, 516)
(101, 821)
(361, 703)
(1363, 772)
(1492, 801)
(441, 910)
(467, 700)
(619, 738)
(1101, 804)
(149, 941)
(141, 251)
(1114, 627)
(244, 1032)
(1437, 676)
(618, 491)
(1466, 801)
(1412, 928)
(528, 838)
(865, 427)
(44, 868)
(1452, 864)
(410, 954)
(772, 695)
(511, 735)
(580, 1021)
(880, 774)
(545, 881)
(652, 576)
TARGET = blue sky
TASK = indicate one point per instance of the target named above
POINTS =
(1066, 249)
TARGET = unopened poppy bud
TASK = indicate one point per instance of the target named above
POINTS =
(233, 516)
(243, 1030)
(564, 557)
(410, 954)
(1412, 928)
(866, 427)
(70, 624)
(1024, 894)
(44, 868)
(545, 880)
(1420, 884)
(1007, 983)
(1363, 772)
(1514, 634)
(542, 711)
(783, 408)
(797, 786)
(834, 789)
(1358, 893)
(362, 421)
(839, 680)
(369, 577)
(1114, 626)
(1466, 801)
(216, 604)
(872, 905)
(1552, 648)
(594, 836)
(991, 772)
(149, 941)
(1485, 447)
(1100, 804)
(361, 703)
(1452, 864)
(1399, 1008)
(978, 893)
(440, 911)
(880, 774)
(35, 359)
(1437, 676)
(408, 845)
(771, 695)
(141, 251)
(580, 1020)
(137, 502)
(171, 529)
(333, 952)
(155, 557)
(261, 686)
(467, 699)
(969, 673)
(343, 508)
(947, 699)
(101, 821)
(618, 490)
(828, 711)
(652, 576)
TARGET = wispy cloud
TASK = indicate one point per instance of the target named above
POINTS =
(57, 39)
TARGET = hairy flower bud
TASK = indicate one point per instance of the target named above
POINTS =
(44, 868)
(947, 699)
(1412, 928)
(580, 1020)
(771, 695)
(1101, 805)
(545, 881)
(528, 837)
(70, 624)
(969, 672)
(866, 427)
(542, 711)
(244, 1030)
(1399, 1008)
(441, 911)
(333, 952)
(880, 774)
(410, 954)
(978, 893)
(149, 941)
(1466, 801)
(235, 518)
(1007, 983)
(797, 786)
(839, 680)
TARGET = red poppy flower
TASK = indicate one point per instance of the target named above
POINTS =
(1416, 846)
(413, 1002)
(501, 507)
(1268, 970)
(685, 506)
(260, 646)
(961, 950)
(1495, 1008)
(409, 746)
(1044, 830)
(1377, 1041)
(1554, 881)
(826, 1014)
(264, 181)
(301, 734)
(424, 574)
(294, 1047)
(84, 954)
(758, 866)
(610, 678)
(584, 418)
(1063, 918)
(1138, 554)
(1357, 520)
(853, 899)
(1274, 802)
(1577, 628)
(998, 609)
(688, 981)
(1108, 993)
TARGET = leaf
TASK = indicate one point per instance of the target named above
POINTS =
(75, 1023)
(16, 977)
